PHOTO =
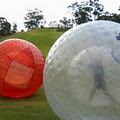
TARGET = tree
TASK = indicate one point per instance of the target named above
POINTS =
(14, 28)
(97, 8)
(66, 22)
(80, 12)
(116, 17)
(33, 19)
(105, 16)
(5, 27)
(110, 16)
(86, 11)
(42, 23)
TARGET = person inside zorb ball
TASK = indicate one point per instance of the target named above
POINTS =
(82, 73)
(21, 68)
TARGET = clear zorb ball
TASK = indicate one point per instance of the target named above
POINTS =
(82, 73)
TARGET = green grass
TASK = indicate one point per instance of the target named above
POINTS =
(35, 107)
(42, 38)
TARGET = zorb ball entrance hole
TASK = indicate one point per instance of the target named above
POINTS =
(21, 68)
(82, 73)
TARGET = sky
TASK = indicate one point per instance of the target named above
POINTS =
(53, 10)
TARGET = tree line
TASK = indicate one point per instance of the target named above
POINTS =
(82, 12)
(6, 28)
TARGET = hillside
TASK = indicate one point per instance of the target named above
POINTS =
(42, 38)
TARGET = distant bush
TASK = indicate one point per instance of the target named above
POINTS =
(62, 29)
(22, 30)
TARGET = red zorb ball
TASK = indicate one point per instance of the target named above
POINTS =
(21, 68)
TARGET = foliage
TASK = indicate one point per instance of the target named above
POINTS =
(22, 30)
(86, 11)
(110, 16)
(116, 17)
(66, 22)
(91, 10)
(5, 27)
(33, 19)
(97, 8)
(62, 29)
(80, 12)
(14, 28)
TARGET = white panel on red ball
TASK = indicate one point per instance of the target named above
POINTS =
(82, 73)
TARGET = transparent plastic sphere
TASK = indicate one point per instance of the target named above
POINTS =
(21, 68)
(82, 73)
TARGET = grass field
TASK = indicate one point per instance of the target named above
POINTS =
(36, 106)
